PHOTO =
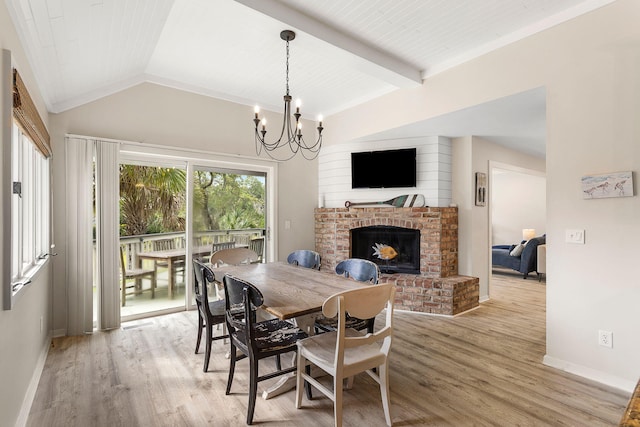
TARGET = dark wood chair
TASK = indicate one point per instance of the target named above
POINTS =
(361, 270)
(305, 258)
(210, 313)
(138, 274)
(255, 340)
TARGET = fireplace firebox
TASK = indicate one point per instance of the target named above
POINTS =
(393, 249)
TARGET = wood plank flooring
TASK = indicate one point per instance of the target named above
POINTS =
(482, 368)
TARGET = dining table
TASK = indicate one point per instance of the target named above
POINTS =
(173, 257)
(290, 293)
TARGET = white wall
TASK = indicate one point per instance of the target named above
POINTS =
(23, 343)
(589, 67)
(518, 201)
(158, 115)
(433, 172)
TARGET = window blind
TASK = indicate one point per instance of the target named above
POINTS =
(27, 117)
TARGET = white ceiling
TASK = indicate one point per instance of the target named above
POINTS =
(345, 52)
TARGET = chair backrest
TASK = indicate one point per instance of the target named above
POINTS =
(123, 266)
(257, 245)
(364, 302)
(202, 275)
(361, 270)
(215, 247)
(234, 256)
(305, 258)
(163, 244)
(241, 301)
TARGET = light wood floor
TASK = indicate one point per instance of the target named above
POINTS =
(482, 368)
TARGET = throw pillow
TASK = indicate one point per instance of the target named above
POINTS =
(517, 251)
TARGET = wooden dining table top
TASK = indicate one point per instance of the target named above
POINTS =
(289, 291)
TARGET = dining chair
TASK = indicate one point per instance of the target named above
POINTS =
(255, 340)
(257, 245)
(233, 256)
(361, 270)
(210, 312)
(305, 258)
(215, 247)
(138, 274)
(346, 352)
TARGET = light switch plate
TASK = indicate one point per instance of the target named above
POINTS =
(574, 236)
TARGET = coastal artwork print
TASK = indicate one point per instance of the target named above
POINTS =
(615, 184)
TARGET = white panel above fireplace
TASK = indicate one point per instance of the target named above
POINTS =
(433, 172)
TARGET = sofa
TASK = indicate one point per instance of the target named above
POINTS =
(525, 263)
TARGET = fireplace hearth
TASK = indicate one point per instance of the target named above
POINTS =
(393, 249)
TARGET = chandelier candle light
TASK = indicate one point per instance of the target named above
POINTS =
(293, 137)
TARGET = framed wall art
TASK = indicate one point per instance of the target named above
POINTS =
(481, 189)
(615, 184)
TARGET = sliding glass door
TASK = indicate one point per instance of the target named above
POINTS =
(152, 238)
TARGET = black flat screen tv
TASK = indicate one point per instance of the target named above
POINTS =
(384, 169)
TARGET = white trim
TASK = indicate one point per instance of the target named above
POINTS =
(591, 374)
(30, 394)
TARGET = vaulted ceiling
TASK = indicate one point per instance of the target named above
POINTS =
(345, 52)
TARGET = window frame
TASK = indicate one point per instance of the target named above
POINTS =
(25, 217)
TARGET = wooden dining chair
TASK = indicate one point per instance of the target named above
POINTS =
(127, 273)
(233, 256)
(346, 352)
(257, 245)
(361, 270)
(305, 258)
(210, 311)
(255, 340)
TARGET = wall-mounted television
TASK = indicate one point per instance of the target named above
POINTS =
(384, 169)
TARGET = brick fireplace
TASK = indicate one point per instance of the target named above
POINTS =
(438, 289)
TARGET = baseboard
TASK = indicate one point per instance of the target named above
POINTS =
(57, 333)
(591, 374)
(23, 416)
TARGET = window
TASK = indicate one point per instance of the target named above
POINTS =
(29, 208)
(25, 194)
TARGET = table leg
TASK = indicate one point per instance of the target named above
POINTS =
(172, 278)
(288, 381)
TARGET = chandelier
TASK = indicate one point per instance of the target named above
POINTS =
(291, 133)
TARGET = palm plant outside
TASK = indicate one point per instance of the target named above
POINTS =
(152, 200)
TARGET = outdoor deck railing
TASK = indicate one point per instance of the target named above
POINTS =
(132, 245)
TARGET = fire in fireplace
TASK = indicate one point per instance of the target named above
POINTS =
(393, 249)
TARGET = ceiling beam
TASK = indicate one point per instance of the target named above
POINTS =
(370, 60)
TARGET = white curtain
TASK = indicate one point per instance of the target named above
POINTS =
(79, 249)
(107, 232)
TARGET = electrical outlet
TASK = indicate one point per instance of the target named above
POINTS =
(605, 339)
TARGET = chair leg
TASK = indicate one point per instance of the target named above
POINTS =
(253, 389)
(307, 385)
(232, 367)
(278, 363)
(200, 327)
(337, 401)
(384, 392)
(209, 337)
(300, 361)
